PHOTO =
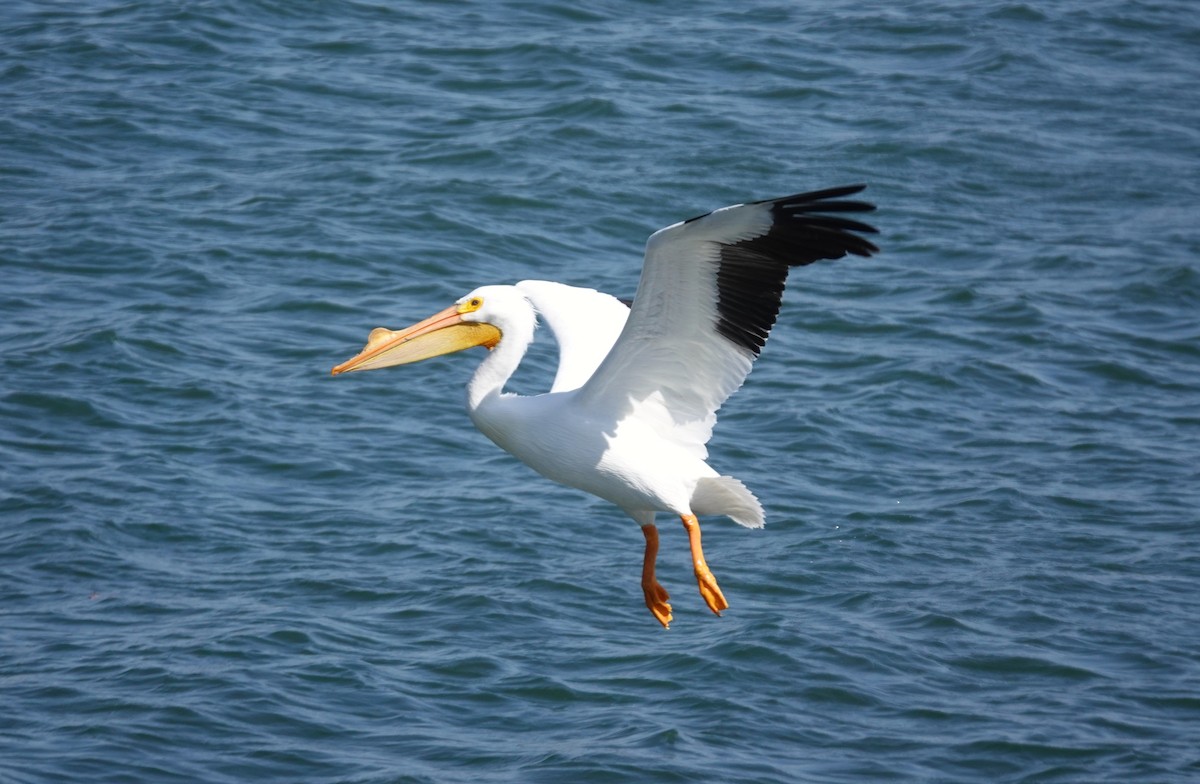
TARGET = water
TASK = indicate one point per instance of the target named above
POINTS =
(977, 450)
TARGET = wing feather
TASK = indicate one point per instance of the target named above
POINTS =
(585, 323)
(710, 291)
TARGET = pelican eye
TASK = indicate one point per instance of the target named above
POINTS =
(471, 305)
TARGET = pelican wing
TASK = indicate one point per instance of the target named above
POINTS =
(585, 323)
(709, 294)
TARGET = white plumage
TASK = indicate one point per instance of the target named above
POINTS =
(634, 401)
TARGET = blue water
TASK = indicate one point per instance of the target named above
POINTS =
(978, 450)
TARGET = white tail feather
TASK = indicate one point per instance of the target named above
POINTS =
(724, 495)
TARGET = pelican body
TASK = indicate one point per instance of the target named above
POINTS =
(634, 400)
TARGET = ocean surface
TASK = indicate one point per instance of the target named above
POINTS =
(979, 450)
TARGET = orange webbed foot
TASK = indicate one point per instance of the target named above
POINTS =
(656, 595)
(656, 601)
(704, 577)
(709, 589)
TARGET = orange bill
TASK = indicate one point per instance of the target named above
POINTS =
(441, 333)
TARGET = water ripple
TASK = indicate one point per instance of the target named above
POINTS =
(976, 450)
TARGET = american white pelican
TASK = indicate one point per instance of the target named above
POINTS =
(637, 389)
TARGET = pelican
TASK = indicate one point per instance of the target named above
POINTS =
(635, 397)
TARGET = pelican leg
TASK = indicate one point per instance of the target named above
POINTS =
(656, 595)
(708, 584)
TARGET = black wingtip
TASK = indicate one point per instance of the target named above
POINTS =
(825, 193)
(810, 227)
(806, 227)
(825, 201)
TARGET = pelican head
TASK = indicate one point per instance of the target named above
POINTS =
(477, 319)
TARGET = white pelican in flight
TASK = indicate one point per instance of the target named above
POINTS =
(636, 394)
